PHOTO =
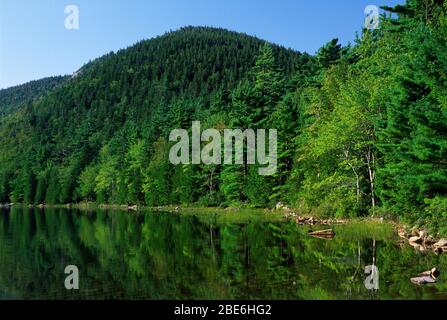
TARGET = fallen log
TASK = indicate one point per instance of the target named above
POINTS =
(423, 280)
(329, 233)
(324, 237)
(434, 273)
(426, 277)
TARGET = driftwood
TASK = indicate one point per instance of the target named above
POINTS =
(434, 273)
(423, 280)
(426, 277)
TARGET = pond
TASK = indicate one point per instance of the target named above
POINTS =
(149, 255)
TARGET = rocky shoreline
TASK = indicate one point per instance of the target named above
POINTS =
(422, 241)
(417, 238)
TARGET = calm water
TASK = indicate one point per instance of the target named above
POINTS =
(207, 256)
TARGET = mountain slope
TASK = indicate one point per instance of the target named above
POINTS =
(15, 97)
(361, 130)
(137, 94)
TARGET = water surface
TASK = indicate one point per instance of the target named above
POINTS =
(149, 255)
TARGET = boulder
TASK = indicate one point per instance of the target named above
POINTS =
(414, 232)
(279, 206)
(415, 239)
(417, 246)
(429, 241)
(438, 250)
(402, 233)
(440, 243)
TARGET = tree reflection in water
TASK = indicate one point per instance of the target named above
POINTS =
(174, 256)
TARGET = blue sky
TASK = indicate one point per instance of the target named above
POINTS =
(35, 44)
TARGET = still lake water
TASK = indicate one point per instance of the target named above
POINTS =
(123, 255)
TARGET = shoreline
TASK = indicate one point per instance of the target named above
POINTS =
(281, 212)
(418, 238)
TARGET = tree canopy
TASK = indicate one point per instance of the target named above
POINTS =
(361, 129)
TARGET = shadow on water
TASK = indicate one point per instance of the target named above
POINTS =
(171, 256)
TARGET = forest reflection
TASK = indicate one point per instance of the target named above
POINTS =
(173, 256)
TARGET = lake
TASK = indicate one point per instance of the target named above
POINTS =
(253, 255)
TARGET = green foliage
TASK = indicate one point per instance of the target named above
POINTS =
(13, 98)
(87, 183)
(156, 176)
(361, 129)
(329, 54)
(435, 214)
(102, 136)
(232, 184)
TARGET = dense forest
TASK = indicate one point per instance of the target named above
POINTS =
(362, 129)
(13, 98)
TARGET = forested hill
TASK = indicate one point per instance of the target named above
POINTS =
(121, 104)
(15, 97)
(361, 129)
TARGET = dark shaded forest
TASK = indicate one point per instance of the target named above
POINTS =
(362, 129)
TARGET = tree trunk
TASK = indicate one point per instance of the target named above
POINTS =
(357, 178)
(370, 161)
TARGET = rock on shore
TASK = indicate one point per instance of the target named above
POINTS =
(421, 240)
